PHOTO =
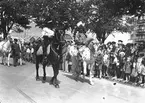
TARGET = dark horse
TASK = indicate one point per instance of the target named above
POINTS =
(53, 58)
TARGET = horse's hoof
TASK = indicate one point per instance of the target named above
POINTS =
(37, 78)
(91, 83)
(56, 86)
(76, 79)
(83, 80)
(43, 81)
(51, 82)
(44, 78)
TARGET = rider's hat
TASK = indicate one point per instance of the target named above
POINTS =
(47, 32)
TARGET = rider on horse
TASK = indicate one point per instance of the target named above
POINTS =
(47, 36)
(48, 53)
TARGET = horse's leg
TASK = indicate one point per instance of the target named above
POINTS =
(20, 59)
(44, 72)
(37, 67)
(9, 55)
(4, 59)
(84, 69)
(91, 73)
(100, 71)
(54, 78)
(106, 71)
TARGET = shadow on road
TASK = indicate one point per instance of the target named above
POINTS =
(12, 64)
(48, 79)
(80, 79)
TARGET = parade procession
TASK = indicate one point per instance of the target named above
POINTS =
(84, 49)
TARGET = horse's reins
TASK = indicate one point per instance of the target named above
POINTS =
(53, 50)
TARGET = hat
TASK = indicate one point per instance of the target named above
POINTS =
(141, 54)
(80, 24)
(120, 41)
(47, 32)
(113, 42)
(15, 40)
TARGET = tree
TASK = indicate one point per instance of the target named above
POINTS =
(13, 14)
(101, 16)
(106, 16)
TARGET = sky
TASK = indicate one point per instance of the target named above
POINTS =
(35, 31)
(116, 35)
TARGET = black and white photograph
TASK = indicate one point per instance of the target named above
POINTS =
(72, 51)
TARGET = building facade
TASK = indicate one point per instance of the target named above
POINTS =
(139, 31)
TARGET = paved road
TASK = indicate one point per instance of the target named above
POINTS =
(18, 85)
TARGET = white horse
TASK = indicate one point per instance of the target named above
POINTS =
(88, 58)
(5, 49)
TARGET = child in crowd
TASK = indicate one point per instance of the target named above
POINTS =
(99, 63)
(28, 51)
(139, 63)
(105, 64)
(127, 68)
(69, 61)
(134, 73)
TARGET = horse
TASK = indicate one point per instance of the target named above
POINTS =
(88, 53)
(47, 54)
(5, 49)
(20, 54)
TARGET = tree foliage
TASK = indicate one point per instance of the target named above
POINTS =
(13, 13)
(60, 14)
(106, 16)
(100, 16)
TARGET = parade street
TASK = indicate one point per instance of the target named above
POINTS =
(18, 85)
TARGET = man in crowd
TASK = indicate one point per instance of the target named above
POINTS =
(15, 52)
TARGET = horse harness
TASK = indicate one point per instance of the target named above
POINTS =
(8, 51)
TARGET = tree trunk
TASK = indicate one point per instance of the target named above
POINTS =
(103, 40)
(103, 37)
(5, 36)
